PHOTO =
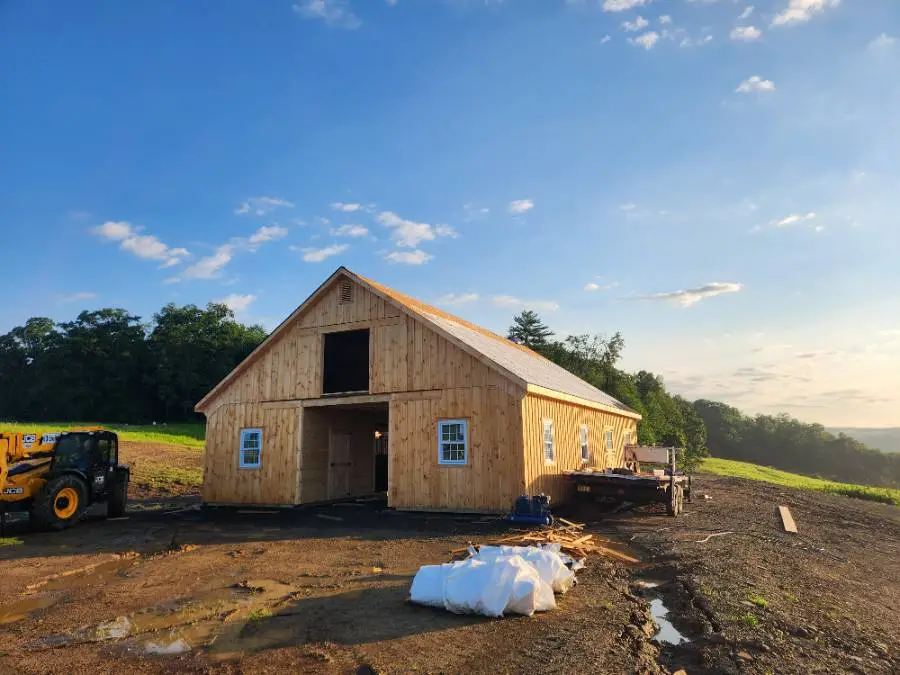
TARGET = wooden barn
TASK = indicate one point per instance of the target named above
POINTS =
(363, 389)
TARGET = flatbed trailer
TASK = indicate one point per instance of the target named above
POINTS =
(669, 487)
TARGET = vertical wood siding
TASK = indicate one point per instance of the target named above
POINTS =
(435, 380)
(275, 482)
(567, 420)
(493, 476)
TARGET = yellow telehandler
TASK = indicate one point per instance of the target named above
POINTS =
(56, 476)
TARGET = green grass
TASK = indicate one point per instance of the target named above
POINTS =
(188, 434)
(749, 620)
(160, 475)
(260, 614)
(758, 600)
(10, 541)
(730, 467)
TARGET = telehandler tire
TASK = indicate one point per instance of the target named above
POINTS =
(118, 499)
(60, 504)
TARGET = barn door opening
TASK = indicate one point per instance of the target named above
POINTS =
(346, 367)
(340, 464)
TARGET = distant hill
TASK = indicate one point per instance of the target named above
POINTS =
(886, 439)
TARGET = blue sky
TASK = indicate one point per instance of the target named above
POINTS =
(718, 180)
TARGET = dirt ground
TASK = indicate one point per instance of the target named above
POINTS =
(323, 590)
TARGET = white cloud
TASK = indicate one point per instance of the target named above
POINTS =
(636, 25)
(345, 207)
(630, 206)
(473, 212)
(594, 286)
(792, 219)
(408, 233)
(260, 206)
(647, 40)
(391, 2)
(415, 257)
(457, 298)
(518, 303)
(800, 11)
(320, 254)
(80, 296)
(518, 206)
(266, 233)
(349, 231)
(335, 13)
(755, 83)
(236, 302)
(883, 41)
(145, 246)
(746, 33)
(209, 267)
(748, 10)
(691, 296)
(665, 18)
(622, 5)
(605, 39)
(695, 42)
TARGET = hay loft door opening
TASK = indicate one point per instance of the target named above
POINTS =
(346, 362)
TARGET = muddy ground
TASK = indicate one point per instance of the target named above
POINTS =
(324, 590)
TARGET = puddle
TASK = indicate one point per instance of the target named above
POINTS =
(667, 633)
(225, 606)
(22, 609)
(86, 576)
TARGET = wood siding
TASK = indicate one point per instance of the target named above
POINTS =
(275, 482)
(427, 378)
(493, 476)
(567, 421)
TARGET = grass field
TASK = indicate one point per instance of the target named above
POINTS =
(188, 435)
(730, 467)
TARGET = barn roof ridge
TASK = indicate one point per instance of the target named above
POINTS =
(511, 359)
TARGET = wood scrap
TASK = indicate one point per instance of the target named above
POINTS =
(568, 536)
(787, 520)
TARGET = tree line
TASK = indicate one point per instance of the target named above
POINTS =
(109, 365)
(709, 427)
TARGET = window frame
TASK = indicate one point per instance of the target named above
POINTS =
(245, 432)
(440, 442)
(609, 440)
(548, 425)
(584, 443)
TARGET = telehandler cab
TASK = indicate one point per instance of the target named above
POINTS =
(56, 476)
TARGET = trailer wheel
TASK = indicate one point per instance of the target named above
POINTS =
(60, 504)
(673, 492)
(118, 498)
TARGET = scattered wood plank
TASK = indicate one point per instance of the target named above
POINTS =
(787, 519)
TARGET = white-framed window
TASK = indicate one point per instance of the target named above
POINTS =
(627, 438)
(453, 441)
(549, 453)
(583, 442)
(609, 440)
(251, 448)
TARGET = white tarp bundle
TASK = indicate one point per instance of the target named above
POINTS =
(496, 580)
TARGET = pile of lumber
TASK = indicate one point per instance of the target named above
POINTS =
(567, 534)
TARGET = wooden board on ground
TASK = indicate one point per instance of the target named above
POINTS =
(787, 519)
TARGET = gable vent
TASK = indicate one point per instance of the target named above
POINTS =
(346, 292)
